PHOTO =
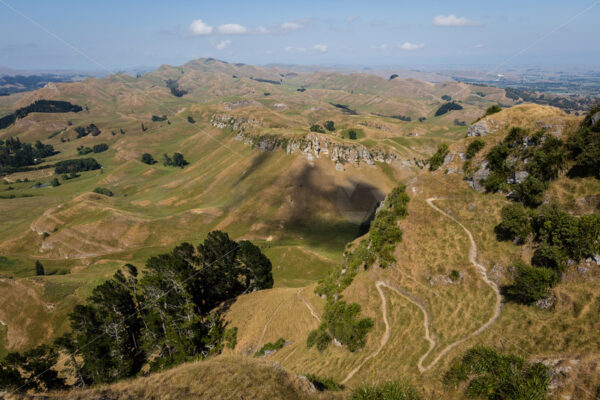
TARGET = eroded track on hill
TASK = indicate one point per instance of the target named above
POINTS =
(481, 270)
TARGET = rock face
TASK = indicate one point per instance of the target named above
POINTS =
(480, 175)
(517, 177)
(595, 118)
(312, 145)
(480, 128)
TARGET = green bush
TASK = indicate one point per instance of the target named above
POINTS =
(230, 337)
(352, 134)
(176, 161)
(319, 338)
(531, 284)
(494, 376)
(99, 148)
(148, 159)
(516, 223)
(438, 158)
(531, 191)
(270, 347)
(76, 165)
(454, 275)
(341, 321)
(324, 383)
(386, 391)
(329, 125)
(584, 147)
(474, 147)
(317, 128)
(104, 191)
(492, 110)
(55, 182)
(548, 256)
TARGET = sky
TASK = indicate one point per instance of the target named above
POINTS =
(116, 35)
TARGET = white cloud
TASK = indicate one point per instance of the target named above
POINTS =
(408, 46)
(232, 29)
(453, 20)
(351, 19)
(199, 27)
(288, 49)
(291, 26)
(321, 48)
(222, 44)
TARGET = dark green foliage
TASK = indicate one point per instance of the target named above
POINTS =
(191, 119)
(531, 284)
(144, 129)
(317, 128)
(344, 108)
(491, 375)
(386, 391)
(454, 275)
(445, 97)
(584, 146)
(176, 91)
(531, 191)
(32, 369)
(393, 76)
(492, 110)
(148, 159)
(340, 321)
(323, 383)
(474, 147)
(447, 107)
(104, 191)
(230, 337)
(549, 256)
(270, 347)
(91, 129)
(39, 268)
(76, 165)
(352, 134)
(176, 161)
(83, 150)
(156, 118)
(15, 154)
(438, 158)
(516, 223)
(43, 106)
(329, 125)
(55, 182)
(99, 148)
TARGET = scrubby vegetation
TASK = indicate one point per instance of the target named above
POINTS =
(584, 146)
(91, 129)
(447, 107)
(148, 159)
(270, 347)
(329, 125)
(317, 128)
(98, 148)
(492, 375)
(157, 118)
(104, 191)
(76, 165)
(14, 154)
(346, 109)
(437, 159)
(173, 86)
(340, 321)
(386, 391)
(558, 237)
(164, 318)
(473, 148)
(492, 110)
(41, 106)
(445, 97)
(177, 160)
(323, 383)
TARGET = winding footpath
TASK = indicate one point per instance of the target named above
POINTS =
(426, 317)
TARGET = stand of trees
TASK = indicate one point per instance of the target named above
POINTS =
(76, 165)
(15, 154)
(447, 107)
(177, 160)
(83, 131)
(165, 317)
(43, 106)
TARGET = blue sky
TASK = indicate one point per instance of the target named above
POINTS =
(125, 34)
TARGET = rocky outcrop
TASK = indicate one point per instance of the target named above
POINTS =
(480, 128)
(316, 146)
(312, 145)
(479, 176)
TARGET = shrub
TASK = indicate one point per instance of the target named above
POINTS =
(531, 191)
(156, 118)
(531, 284)
(493, 376)
(386, 391)
(492, 110)
(447, 107)
(438, 158)
(191, 119)
(148, 159)
(329, 125)
(474, 147)
(319, 338)
(104, 191)
(516, 223)
(83, 150)
(55, 182)
(341, 321)
(176, 161)
(548, 256)
(270, 347)
(322, 383)
(39, 268)
(446, 97)
(317, 128)
(352, 134)
(99, 148)
(454, 275)
(76, 165)
(230, 337)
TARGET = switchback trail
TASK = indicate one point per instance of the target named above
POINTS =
(308, 305)
(426, 318)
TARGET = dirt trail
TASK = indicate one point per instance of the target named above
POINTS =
(308, 305)
(262, 335)
(426, 318)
